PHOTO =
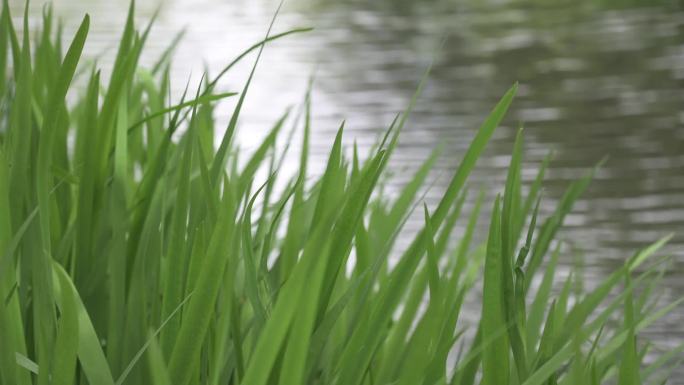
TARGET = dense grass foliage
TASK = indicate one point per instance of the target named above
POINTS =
(135, 251)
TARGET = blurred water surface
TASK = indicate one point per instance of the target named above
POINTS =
(595, 80)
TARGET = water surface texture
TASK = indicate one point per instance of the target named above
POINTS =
(595, 81)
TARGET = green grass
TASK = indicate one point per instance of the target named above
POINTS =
(135, 251)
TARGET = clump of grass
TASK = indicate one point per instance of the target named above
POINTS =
(132, 250)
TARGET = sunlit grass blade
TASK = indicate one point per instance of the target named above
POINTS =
(495, 355)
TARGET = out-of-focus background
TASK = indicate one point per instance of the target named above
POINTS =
(597, 78)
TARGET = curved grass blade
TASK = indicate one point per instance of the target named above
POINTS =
(90, 354)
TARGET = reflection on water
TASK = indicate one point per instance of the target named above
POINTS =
(594, 82)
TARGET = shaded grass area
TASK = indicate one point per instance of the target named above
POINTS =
(134, 249)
